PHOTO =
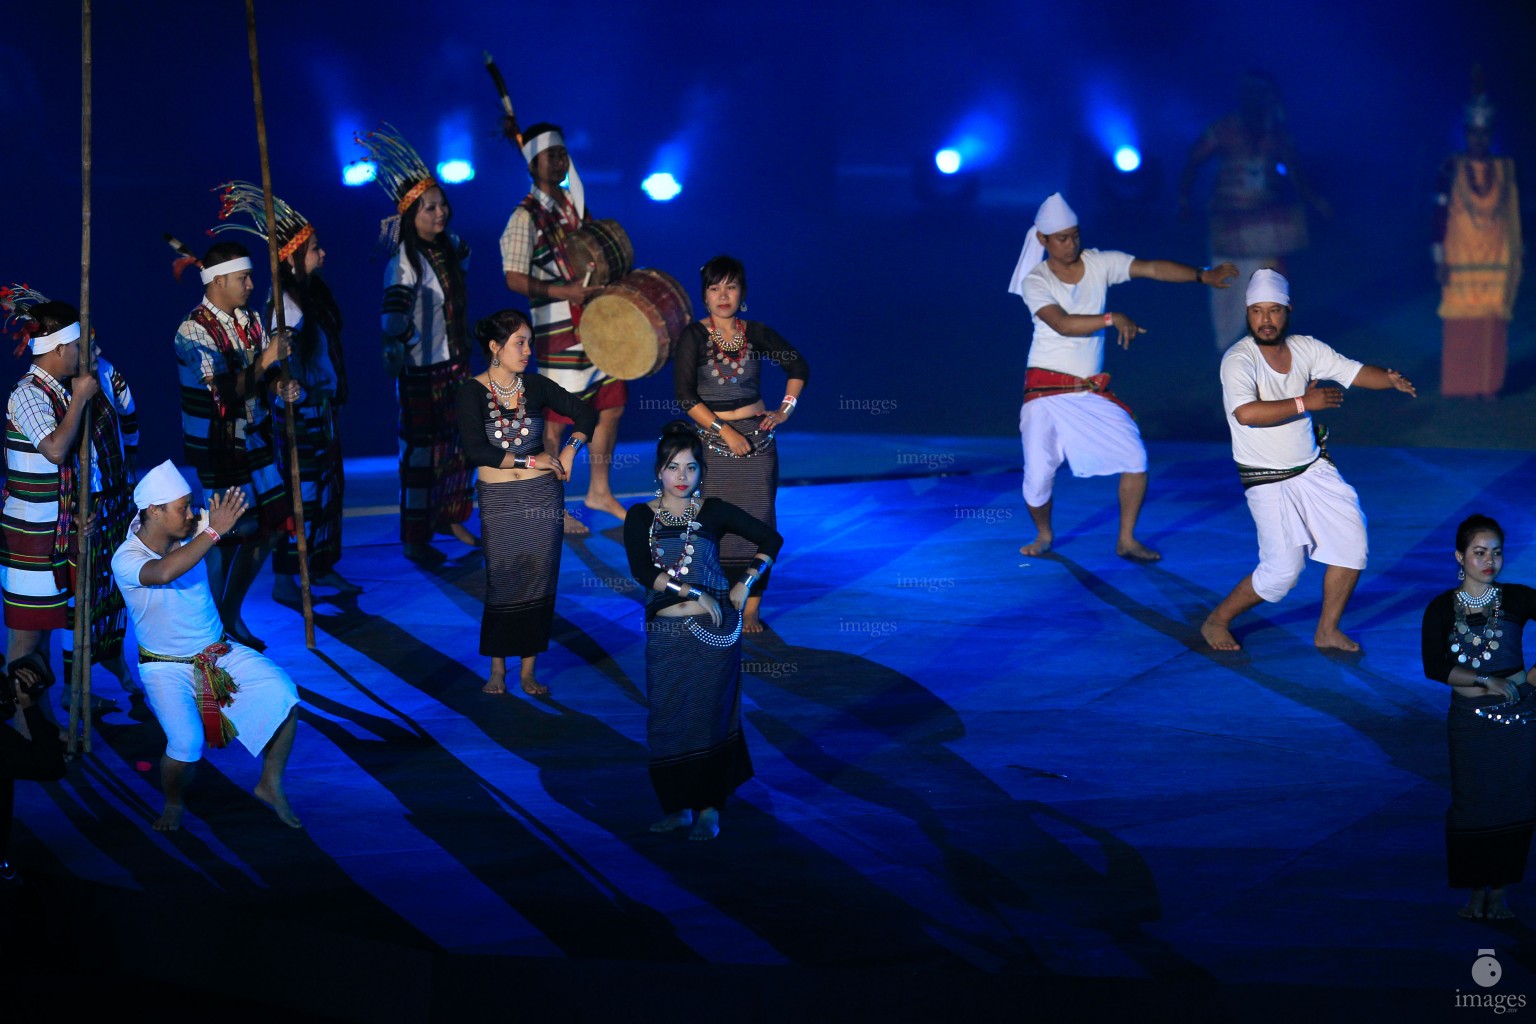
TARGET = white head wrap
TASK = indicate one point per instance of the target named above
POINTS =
(1054, 215)
(1268, 286)
(233, 266)
(42, 343)
(160, 486)
(548, 140)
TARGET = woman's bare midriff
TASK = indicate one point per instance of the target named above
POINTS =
(496, 475)
(685, 608)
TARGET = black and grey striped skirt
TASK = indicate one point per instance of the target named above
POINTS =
(751, 483)
(1493, 793)
(693, 689)
(521, 522)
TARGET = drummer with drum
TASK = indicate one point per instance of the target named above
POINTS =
(538, 259)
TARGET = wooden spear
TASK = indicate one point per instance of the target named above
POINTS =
(294, 477)
(80, 675)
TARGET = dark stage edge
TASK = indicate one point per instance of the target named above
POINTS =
(986, 785)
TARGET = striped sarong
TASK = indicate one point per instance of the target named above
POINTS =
(321, 482)
(521, 525)
(434, 478)
(749, 482)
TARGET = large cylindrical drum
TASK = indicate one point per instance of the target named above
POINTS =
(629, 328)
(602, 246)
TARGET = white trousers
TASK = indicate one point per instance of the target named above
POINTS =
(1315, 515)
(1093, 434)
(265, 696)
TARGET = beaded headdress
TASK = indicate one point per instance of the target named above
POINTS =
(293, 230)
(400, 171)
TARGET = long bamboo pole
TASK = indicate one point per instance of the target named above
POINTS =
(80, 676)
(294, 478)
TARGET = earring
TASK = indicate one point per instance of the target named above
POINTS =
(695, 493)
(743, 307)
(658, 488)
(1461, 574)
(495, 361)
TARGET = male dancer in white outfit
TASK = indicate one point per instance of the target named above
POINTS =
(1300, 504)
(1069, 413)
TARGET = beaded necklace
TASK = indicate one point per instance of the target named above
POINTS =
(688, 521)
(509, 430)
(1475, 647)
(726, 359)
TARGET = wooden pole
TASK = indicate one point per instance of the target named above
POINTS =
(294, 477)
(80, 676)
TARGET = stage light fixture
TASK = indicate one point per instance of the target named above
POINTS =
(947, 161)
(662, 187)
(358, 172)
(1127, 159)
(455, 172)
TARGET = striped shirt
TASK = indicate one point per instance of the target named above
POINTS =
(31, 481)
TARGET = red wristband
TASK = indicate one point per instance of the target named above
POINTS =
(1109, 319)
(210, 531)
(1301, 406)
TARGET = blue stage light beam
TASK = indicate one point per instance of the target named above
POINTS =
(1127, 159)
(359, 172)
(455, 172)
(662, 187)
(948, 161)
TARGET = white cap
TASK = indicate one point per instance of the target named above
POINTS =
(1268, 286)
(160, 486)
(1054, 215)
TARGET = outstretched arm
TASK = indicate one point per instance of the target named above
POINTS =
(1377, 379)
(1174, 272)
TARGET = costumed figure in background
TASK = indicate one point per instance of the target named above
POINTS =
(114, 444)
(203, 687)
(522, 497)
(1477, 259)
(698, 756)
(1257, 216)
(1069, 414)
(313, 318)
(426, 345)
(229, 370)
(1270, 386)
(717, 372)
(536, 264)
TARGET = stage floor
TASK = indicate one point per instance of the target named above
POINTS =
(984, 782)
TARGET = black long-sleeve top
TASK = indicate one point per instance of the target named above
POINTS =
(1517, 606)
(692, 382)
(477, 422)
(42, 759)
(716, 518)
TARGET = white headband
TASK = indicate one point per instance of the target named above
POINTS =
(1268, 286)
(548, 140)
(1054, 215)
(233, 266)
(160, 486)
(42, 343)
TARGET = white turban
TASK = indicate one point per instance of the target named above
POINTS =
(1268, 286)
(44, 343)
(1054, 215)
(233, 266)
(549, 140)
(160, 486)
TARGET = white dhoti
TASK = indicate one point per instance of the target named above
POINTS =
(1315, 515)
(265, 697)
(1091, 433)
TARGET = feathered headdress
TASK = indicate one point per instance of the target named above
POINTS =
(399, 170)
(293, 230)
(15, 301)
(185, 257)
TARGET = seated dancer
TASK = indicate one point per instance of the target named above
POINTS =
(426, 346)
(313, 318)
(1083, 422)
(228, 367)
(202, 687)
(522, 499)
(718, 385)
(1299, 502)
(698, 755)
(534, 261)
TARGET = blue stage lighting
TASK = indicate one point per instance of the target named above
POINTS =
(947, 160)
(358, 172)
(455, 172)
(1127, 159)
(662, 187)
(1280, 169)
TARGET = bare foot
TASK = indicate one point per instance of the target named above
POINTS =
(1039, 546)
(1334, 640)
(462, 535)
(1136, 551)
(278, 801)
(575, 527)
(708, 826)
(1498, 910)
(533, 687)
(1218, 636)
(606, 503)
(751, 622)
(170, 818)
(682, 819)
(1476, 905)
(497, 683)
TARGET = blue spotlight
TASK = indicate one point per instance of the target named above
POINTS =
(661, 187)
(455, 172)
(1127, 159)
(358, 172)
(947, 160)
(1281, 170)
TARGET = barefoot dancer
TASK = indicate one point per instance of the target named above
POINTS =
(1471, 641)
(522, 501)
(202, 686)
(1300, 504)
(1083, 423)
(698, 755)
(717, 377)
(534, 262)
